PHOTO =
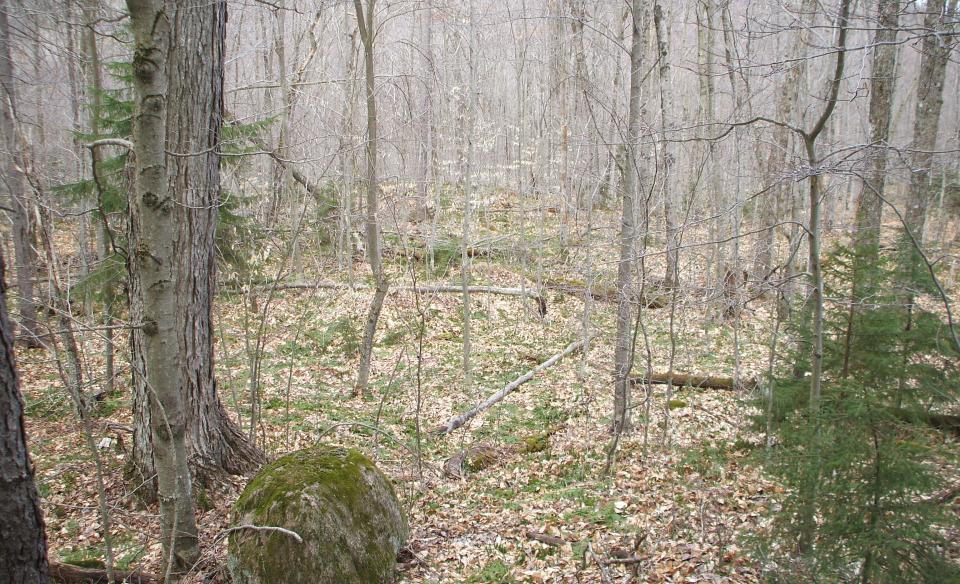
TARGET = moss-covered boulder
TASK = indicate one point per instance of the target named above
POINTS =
(342, 506)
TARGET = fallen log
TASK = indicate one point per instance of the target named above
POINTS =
(945, 422)
(545, 538)
(606, 294)
(424, 289)
(70, 574)
(697, 381)
(465, 417)
(450, 288)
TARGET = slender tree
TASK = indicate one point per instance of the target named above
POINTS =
(623, 351)
(26, 258)
(365, 24)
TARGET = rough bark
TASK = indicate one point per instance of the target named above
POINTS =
(623, 351)
(153, 289)
(26, 260)
(869, 204)
(23, 548)
(215, 444)
(935, 51)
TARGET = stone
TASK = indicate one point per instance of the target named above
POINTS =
(341, 505)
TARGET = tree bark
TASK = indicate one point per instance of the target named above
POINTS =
(215, 444)
(935, 51)
(623, 351)
(869, 204)
(25, 253)
(23, 548)
(153, 287)
(365, 22)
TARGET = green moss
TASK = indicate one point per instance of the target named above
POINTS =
(535, 443)
(337, 501)
(676, 404)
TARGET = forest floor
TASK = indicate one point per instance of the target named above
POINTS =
(679, 504)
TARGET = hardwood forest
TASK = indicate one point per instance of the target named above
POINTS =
(479, 291)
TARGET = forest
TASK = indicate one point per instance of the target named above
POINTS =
(479, 291)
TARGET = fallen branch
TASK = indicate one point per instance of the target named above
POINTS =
(424, 289)
(267, 528)
(606, 294)
(945, 422)
(698, 381)
(544, 538)
(70, 574)
(509, 388)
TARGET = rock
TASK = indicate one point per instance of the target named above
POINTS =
(342, 506)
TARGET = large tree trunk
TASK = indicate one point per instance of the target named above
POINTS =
(367, 33)
(153, 290)
(23, 233)
(882, 85)
(623, 351)
(215, 444)
(23, 548)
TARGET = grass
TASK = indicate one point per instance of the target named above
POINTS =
(493, 572)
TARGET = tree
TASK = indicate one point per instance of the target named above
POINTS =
(214, 443)
(623, 351)
(23, 230)
(23, 550)
(153, 286)
(935, 53)
(365, 25)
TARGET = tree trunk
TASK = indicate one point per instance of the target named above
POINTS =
(780, 188)
(882, 85)
(23, 549)
(623, 351)
(153, 287)
(215, 444)
(869, 209)
(367, 33)
(670, 200)
(935, 51)
(91, 59)
(808, 488)
(23, 233)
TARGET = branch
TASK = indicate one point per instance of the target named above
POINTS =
(465, 417)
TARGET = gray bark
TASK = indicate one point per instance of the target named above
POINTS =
(623, 351)
(935, 51)
(153, 288)
(365, 23)
(215, 444)
(882, 85)
(26, 259)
